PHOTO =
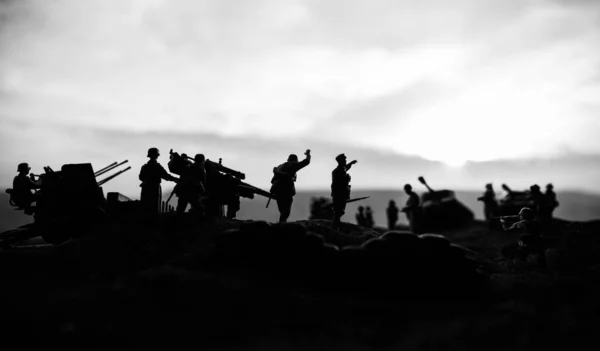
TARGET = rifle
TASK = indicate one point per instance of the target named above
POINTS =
(347, 201)
(507, 217)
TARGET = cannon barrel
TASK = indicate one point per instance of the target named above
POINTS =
(422, 181)
(105, 168)
(506, 188)
(109, 168)
(256, 190)
(105, 180)
(227, 170)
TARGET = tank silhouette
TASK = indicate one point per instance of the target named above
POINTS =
(513, 201)
(69, 203)
(225, 185)
(441, 210)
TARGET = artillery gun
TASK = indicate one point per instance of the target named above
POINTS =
(513, 202)
(440, 210)
(224, 185)
(69, 203)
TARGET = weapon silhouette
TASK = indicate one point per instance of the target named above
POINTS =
(422, 181)
(347, 201)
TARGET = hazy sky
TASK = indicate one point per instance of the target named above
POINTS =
(452, 81)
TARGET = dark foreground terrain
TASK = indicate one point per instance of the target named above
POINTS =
(216, 286)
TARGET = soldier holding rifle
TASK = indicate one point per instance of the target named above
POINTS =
(284, 177)
(530, 241)
(340, 188)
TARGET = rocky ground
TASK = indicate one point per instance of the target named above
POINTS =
(242, 285)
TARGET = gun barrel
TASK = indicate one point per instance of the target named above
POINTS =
(422, 181)
(256, 190)
(227, 170)
(507, 217)
(105, 180)
(110, 168)
(105, 168)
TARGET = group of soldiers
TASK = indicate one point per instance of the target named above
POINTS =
(543, 204)
(411, 209)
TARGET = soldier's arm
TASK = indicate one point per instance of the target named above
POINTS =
(349, 165)
(302, 163)
(166, 176)
(33, 184)
(141, 176)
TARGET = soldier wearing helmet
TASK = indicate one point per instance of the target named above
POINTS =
(530, 241)
(151, 175)
(550, 202)
(489, 203)
(392, 214)
(192, 186)
(284, 177)
(340, 188)
(21, 194)
(412, 207)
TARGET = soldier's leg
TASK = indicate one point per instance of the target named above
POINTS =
(284, 204)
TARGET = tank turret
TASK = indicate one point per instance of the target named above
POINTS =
(441, 210)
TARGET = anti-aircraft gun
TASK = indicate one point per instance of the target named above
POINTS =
(224, 185)
(513, 201)
(69, 203)
(440, 210)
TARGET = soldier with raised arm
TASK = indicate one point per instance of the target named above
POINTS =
(151, 175)
(284, 177)
(340, 188)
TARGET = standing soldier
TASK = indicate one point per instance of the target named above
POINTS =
(369, 218)
(536, 196)
(392, 215)
(21, 194)
(361, 220)
(340, 188)
(191, 186)
(489, 203)
(550, 201)
(412, 207)
(151, 175)
(284, 177)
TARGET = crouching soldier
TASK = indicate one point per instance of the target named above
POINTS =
(284, 177)
(530, 241)
(20, 194)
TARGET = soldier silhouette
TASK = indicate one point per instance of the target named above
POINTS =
(550, 202)
(21, 194)
(284, 177)
(151, 175)
(340, 188)
(191, 186)
(392, 214)
(369, 217)
(412, 208)
(361, 220)
(489, 203)
(536, 196)
(530, 241)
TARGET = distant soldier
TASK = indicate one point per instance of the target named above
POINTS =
(412, 207)
(530, 241)
(361, 220)
(370, 223)
(489, 203)
(191, 186)
(340, 188)
(550, 202)
(284, 177)
(536, 196)
(21, 194)
(151, 175)
(392, 215)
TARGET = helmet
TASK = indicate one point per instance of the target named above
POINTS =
(153, 152)
(360, 208)
(22, 167)
(526, 213)
(199, 158)
(488, 186)
(340, 157)
(407, 187)
(549, 186)
(292, 158)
